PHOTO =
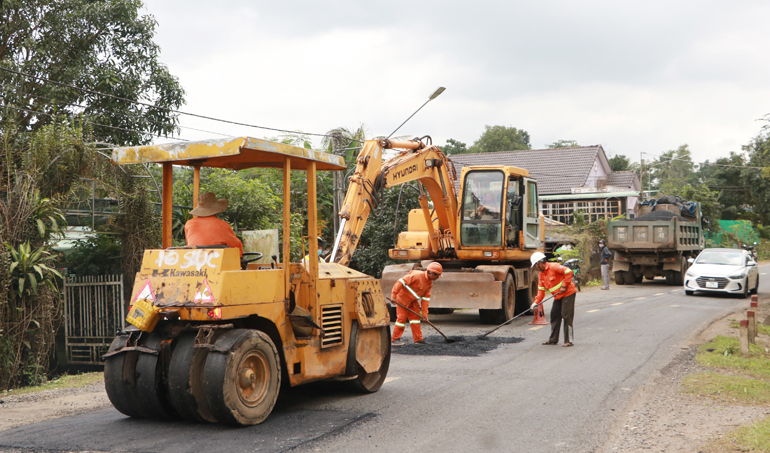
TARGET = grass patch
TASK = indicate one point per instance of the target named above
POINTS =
(751, 438)
(65, 381)
(591, 283)
(724, 352)
(728, 389)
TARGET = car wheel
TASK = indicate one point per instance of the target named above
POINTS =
(755, 290)
(745, 293)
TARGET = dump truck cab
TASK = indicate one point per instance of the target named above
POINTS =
(213, 336)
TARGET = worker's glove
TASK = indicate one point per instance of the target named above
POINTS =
(533, 307)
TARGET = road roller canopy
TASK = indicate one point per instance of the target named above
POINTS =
(234, 153)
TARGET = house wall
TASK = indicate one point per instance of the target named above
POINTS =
(596, 174)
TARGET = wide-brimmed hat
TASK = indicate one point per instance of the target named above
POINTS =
(208, 205)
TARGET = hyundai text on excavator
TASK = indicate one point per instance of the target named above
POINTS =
(483, 238)
(213, 336)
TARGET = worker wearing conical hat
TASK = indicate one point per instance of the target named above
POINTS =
(206, 228)
(413, 291)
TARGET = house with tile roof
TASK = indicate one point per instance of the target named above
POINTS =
(569, 179)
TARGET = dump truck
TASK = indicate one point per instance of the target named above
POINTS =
(483, 236)
(213, 337)
(657, 243)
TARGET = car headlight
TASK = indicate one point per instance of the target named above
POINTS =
(690, 274)
(738, 276)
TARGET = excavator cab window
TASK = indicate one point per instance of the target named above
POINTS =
(481, 223)
(513, 213)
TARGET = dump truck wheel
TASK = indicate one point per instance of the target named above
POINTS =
(242, 384)
(678, 278)
(151, 387)
(367, 382)
(120, 379)
(619, 280)
(185, 385)
(629, 277)
(670, 278)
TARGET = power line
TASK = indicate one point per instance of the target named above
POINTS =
(125, 115)
(93, 123)
(179, 112)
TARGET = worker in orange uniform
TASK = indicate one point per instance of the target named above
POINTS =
(207, 229)
(413, 291)
(557, 280)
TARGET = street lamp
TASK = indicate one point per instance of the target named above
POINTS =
(433, 96)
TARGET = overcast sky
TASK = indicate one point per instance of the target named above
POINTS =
(631, 76)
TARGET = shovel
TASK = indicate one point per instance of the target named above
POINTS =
(482, 337)
(446, 339)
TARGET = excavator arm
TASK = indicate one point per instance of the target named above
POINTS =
(416, 162)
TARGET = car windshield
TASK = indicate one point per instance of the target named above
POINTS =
(728, 259)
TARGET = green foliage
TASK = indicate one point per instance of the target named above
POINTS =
(501, 138)
(98, 255)
(453, 147)
(371, 255)
(103, 46)
(563, 144)
(620, 162)
(708, 199)
(751, 438)
(29, 268)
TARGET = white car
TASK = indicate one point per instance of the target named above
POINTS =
(731, 271)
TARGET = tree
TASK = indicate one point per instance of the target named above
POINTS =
(620, 162)
(563, 144)
(454, 147)
(673, 169)
(726, 176)
(758, 180)
(49, 47)
(501, 138)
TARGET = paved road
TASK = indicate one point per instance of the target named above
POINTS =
(521, 397)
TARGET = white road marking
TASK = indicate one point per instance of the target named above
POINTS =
(390, 379)
(676, 290)
(536, 327)
(619, 303)
(640, 298)
(591, 311)
(659, 294)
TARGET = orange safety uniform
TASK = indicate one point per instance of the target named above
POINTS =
(553, 279)
(411, 291)
(210, 230)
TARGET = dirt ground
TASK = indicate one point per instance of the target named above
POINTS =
(659, 417)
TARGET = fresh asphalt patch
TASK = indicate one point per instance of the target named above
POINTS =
(108, 430)
(460, 346)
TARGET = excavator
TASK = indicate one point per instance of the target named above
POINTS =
(482, 235)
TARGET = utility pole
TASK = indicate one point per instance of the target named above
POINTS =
(339, 178)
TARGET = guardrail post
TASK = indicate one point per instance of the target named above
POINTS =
(744, 329)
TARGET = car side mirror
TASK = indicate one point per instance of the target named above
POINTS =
(690, 260)
(751, 263)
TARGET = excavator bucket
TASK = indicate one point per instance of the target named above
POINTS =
(455, 289)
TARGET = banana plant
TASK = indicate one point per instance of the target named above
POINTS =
(28, 269)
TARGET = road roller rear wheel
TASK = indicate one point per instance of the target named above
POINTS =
(120, 379)
(151, 385)
(242, 386)
(185, 383)
(368, 341)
